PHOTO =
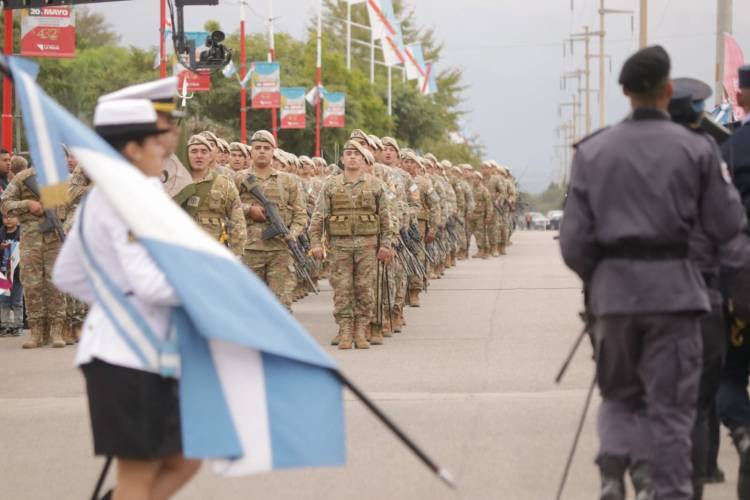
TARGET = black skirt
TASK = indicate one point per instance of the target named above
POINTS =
(134, 414)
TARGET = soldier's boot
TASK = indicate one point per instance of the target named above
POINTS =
(376, 335)
(36, 332)
(360, 340)
(346, 333)
(397, 312)
(56, 333)
(388, 320)
(479, 255)
(612, 470)
(501, 249)
(741, 438)
(414, 298)
(335, 340)
(640, 476)
(77, 333)
(68, 336)
(495, 252)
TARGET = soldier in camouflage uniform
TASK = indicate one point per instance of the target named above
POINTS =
(496, 188)
(426, 206)
(45, 304)
(352, 210)
(212, 199)
(237, 156)
(270, 259)
(481, 217)
(456, 178)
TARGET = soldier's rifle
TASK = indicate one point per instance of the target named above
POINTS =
(50, 223)
(278, 228)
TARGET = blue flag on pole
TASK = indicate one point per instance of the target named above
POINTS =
(256, 391)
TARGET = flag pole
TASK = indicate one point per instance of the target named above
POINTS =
(271, 57)
(443, 474)
(318, 81)
(243, 92)
(162, 42)
(7, 117)
(390, 90)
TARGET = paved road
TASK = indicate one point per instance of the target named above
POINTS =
(470, 380)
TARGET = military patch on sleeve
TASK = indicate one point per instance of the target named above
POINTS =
(194, 201)
(725, 173)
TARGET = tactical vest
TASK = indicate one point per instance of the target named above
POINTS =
(353, 215)
(206, 206)
(274, 192)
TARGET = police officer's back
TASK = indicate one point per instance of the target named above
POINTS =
(637, 190)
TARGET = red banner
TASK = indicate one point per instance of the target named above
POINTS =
(196, 82)
(733, 59)
(48, 32)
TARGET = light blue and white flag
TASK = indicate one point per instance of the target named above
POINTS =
(312, 95)
(229, 70)
(256, 391)
(248, 77)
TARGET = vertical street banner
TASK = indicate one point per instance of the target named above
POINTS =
(733, 59)
(266, 85)
(48, 32)
(334, 110)
(196, 82)
(415, 67)
(293, 107)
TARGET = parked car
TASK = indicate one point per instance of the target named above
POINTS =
(555, 218)
(539, 221)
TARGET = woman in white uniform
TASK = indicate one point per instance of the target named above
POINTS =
(134, 410)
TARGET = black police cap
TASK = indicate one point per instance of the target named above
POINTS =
(745, 77)
(645, 69)
(698, 90)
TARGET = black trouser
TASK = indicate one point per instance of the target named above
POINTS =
(733, 402)
(712, 333)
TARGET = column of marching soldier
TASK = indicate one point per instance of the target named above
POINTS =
(379, 225)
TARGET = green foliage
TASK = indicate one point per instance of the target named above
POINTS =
(551, 199)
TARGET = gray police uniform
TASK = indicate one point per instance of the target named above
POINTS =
(637, 190)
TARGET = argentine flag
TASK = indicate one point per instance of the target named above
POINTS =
(256, 391)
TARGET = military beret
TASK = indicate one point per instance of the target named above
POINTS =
(352, 144)
(238, 146)
(390, 141)
(199, 140)
(744, 75)
(645, 69)
(263, 136)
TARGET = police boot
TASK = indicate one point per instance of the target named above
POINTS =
(640, 476)
(741, 438)
(36, 332)
(612, 470)
(360, 329)
(376, 335)
(346, 333)
(56, 333)
(414, 298)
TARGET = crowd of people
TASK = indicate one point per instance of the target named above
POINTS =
(380, 223)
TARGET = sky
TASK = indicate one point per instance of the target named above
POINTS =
(511, 53)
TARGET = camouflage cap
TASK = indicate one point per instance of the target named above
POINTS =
(210, 136)
(478, 174)
(199, 140)
(354, 145)
(238, 146)
(408, 154)
(446, 164)
(263, 136)
(223, 145)
(376, 141)
(358, 135)
(457, 169)
(319, 161)
(281, 156)
(431, 157)
(390, 141)
(306, 160)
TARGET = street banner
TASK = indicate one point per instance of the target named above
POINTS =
(380, 24)
(48, 32)
(334, 110)
(196, 82)
(293, 107)
(415, 67)
(428, 83)
(266, 85)
(733, 59)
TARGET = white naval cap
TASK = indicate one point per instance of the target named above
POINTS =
(161, 93)
(125, 118)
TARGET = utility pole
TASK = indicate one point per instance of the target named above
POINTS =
(575, 104)
(643, 26)
(271, 58)
(318, 76)
(585, 37)
(602, 35)
(723, 28)
(7, 117)
(243, 92)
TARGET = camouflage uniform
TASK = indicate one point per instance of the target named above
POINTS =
(496, 188)
(270, 259)
(45, 304)
(426, 203)
(78, 185)
(355, 216)
(215, 205)
(480, 219)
